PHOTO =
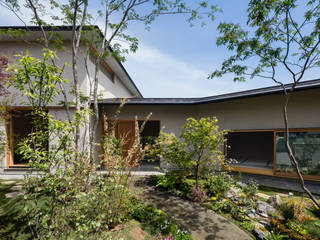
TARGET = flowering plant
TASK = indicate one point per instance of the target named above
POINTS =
(198, 195)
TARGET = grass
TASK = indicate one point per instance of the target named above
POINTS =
(312, 223)
(13, 224)
(131, 230)
(273, 191)
(306, 225)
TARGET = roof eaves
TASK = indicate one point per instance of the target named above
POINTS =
(224, 97)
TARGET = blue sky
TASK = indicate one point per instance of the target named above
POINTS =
(174, 59)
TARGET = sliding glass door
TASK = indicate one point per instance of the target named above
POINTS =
(306, 148)
(251, 149)
(264, 152)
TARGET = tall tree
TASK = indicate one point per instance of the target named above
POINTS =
(280, 36)
(116, 17)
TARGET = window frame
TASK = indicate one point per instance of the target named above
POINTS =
(272, 172)
(10, 136)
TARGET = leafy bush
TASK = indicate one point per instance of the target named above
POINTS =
(247, 225)
(224, 206)
(174, 181)
(250, 189)
(197, 150)
(293, 208)
(276, 236)
(218, 185)
(158, 222)
(237, 213)
(71, 199)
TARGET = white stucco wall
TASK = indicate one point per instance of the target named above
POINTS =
(265, 112)
(107, 88)
(171, 117)
(262, 112)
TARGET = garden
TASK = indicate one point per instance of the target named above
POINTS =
(140, 222)
(72, 199)
(64, 195)
(195, 174)
(265, 213)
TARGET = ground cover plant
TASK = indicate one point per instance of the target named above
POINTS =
(141, 221)
(273, 218)
(295, 218)
(157, 222)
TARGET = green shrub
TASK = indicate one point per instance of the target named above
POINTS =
(251, 189)
(222, 207)
(71, 199)
(247, 225)
(170, 180)
(218, 185)
(157, 222)
(174, 180)
(196, 150)
(237, 213)
(293, 208)
(276, 236)
(287, 210)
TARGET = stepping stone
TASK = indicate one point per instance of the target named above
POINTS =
(262, 195)
(283, 194)
(8, 182)
(201, 222)
(17, 188)
(13, 194)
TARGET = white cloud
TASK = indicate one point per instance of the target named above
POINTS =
(158, 74)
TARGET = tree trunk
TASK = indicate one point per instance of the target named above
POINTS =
(291, 155)
(77, 95)
(197, 176)
(95, 108)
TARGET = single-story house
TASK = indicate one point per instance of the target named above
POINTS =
(254, 117)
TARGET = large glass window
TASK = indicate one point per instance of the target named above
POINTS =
(251, 149)
(22, 124)
(22, 127)
(306, 148)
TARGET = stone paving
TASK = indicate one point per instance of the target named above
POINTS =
(202, 223)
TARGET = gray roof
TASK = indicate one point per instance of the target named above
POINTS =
(224, 97)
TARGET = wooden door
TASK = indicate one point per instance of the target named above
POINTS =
(124, 129)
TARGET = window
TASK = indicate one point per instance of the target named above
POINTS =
(20, 126)
(264, 152)
(251, 149)
(306, 148)
(149, 134)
